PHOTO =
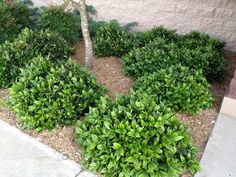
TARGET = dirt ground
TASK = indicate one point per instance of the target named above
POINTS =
(108, 71)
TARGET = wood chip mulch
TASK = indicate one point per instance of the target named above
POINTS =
(108, 71)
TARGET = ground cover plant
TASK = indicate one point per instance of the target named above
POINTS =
(57, 19)
(29, 44)
(47, 95)
(135, 137)
(178, 87)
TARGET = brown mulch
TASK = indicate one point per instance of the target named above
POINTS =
(108, 71)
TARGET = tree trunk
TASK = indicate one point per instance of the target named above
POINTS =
(87, 38)
(81, 5)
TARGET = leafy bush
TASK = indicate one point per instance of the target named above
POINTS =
(26, 46)
(58, 20)
(47, 95)
(159, 32)
(94, 26)
(135, 137)
(46, 43)
(211, 61)
(202, 51)
(195, 39)
(8, 26)
(162, 53)
(112, 40)
(21, 13)
(151, 58)
(178, 88)
(14, 17)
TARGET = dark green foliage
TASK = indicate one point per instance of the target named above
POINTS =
(151, 58)
(193, 51)
(26, 46)
(58, 20)
(132, 137)
(112, 40)
(207, 58)
(46, 43)
(179, 88)
(13, 18)
(8, 26)
(159, 32)
(195, 39)
(21, 13)
(201, 49)
(94, 26)
(47, 94)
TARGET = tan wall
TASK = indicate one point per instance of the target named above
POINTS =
(215, 17)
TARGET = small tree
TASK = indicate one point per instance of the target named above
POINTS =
(81, 6)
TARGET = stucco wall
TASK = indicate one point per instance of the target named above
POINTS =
(215, 17)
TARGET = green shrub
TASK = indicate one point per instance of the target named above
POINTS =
(159, 32)
(195, 39)
(135, 137)
(58, 20)
(21, 13)
(112, 40)
(162, 53)
(13, 18)
(201, 51)
(178, 88)
(46, 43)
(26, 46)
(151, 58)
(47, 94)
(94, 26)
(207, 58)
(8, 26)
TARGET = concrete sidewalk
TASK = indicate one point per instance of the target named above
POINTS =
(23, 156)
(219, 158)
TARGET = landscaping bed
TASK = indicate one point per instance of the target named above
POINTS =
(126, 116)
(63, 138)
